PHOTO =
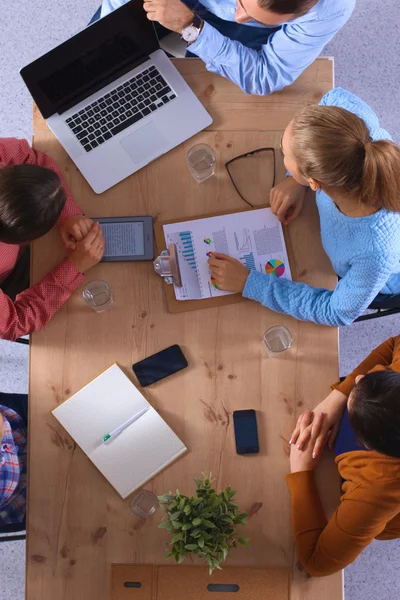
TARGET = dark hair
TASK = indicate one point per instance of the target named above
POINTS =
(31, 201)
(374, 412)
(287, 7)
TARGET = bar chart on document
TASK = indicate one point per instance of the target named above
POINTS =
(187, 263)
(254, 238)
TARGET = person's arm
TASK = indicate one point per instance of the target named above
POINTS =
(34, 307)
(279, 62)
(287, 53)
(382, 355)
(9, 463)
(17, 152)
(327, 547)
(352, 295)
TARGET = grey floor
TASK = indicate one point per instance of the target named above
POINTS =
(367, 61)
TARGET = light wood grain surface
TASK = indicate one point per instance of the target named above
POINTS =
(77, 525)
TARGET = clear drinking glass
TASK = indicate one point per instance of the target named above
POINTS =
(98, 295)
(201, 159)
(277, 339)
(143, 504)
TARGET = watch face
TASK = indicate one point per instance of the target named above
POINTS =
(190, 34)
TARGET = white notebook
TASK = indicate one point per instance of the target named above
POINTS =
(140, 451)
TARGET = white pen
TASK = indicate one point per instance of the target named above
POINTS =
(110, 436)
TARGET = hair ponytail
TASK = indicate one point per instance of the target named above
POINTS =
(381, 175)
(333, 146)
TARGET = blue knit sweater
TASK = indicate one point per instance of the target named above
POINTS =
(364, 252)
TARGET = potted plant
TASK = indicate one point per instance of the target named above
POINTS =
(203, 525)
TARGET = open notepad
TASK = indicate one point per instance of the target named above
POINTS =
(140, 451)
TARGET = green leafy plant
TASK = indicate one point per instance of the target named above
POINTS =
(204, 525)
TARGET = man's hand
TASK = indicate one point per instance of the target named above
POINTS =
(89, 251)
(172, 14)
(333, 406)
(74, 230)
(286, 200)
(306, 459)
(229, 274)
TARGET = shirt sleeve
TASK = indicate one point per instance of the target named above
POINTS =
(382, 355)
(9, 465)
(287, 53)
(350, 298)
(34, 307)
(327, 547)
(17, 152)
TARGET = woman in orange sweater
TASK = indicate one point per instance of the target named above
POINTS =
(363, 415)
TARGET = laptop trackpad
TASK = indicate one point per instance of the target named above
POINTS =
(144, 143)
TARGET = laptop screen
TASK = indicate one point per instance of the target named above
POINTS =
(91, 59)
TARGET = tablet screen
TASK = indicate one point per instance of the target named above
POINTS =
(123, 239)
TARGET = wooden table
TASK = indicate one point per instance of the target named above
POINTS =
(77, 524)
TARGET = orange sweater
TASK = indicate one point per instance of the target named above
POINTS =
(370, 503)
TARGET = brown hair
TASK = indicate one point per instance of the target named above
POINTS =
(31, 201)
(287, 7)
(333, 146)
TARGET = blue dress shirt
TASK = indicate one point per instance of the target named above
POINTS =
(278, 57)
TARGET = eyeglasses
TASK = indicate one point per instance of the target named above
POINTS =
(253, 175)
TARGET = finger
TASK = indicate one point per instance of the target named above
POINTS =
(320, 443)
(306, 419)
(76, 232)
(85, 225)
(333, 436)
(295, 435)
(293, 213)
(99, 239)
(304, 437)
(283, 210)
(67, 241)
(215, 262)
(276, 203)
(220, 256)
(318, 426)
(91, 236)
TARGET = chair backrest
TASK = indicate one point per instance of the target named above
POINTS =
(13, 532)
(385, 301)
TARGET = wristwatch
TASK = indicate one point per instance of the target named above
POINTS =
(192, 32)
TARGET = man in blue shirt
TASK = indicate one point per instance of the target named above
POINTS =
(261, 45)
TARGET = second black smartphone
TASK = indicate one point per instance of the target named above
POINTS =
(246, 434)
(160, 365)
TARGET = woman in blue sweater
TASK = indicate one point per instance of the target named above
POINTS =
(340, 151)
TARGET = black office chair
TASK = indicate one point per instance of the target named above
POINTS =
(384, 305)
(13, 532)
(19, 403)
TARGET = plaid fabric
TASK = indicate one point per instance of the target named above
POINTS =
(13, 468)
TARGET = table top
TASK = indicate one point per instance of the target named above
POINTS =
(77, 524)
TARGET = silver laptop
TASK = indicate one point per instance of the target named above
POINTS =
(113, 99)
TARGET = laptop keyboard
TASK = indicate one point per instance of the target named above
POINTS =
(122, 107)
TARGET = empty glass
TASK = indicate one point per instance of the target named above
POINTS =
(143, 504)
(201, 159)
(98, 295)
(277, 339)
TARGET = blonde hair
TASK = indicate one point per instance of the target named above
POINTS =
(333, 146)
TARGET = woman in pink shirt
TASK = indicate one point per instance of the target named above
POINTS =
(34, 198)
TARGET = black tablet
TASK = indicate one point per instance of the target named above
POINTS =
(127, 238)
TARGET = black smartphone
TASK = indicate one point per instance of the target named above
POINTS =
(246, 435)
(160, 365)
